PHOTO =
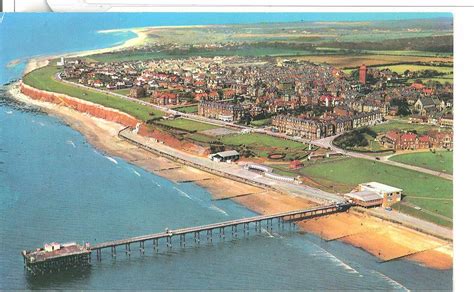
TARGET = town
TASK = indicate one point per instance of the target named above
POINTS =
(296, 98)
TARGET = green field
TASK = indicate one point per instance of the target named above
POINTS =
(400, 69)
(439, 161)
(244, 52)
(402, 126)
(187, 125)
(44, 79)
(261, 140)
(431, 193)
(188, 109)
(262, 145)
(125, 91)
(262, 122)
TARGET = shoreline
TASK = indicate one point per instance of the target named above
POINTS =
(380, 238)
(41, 61)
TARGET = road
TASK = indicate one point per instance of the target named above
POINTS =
(412, 222)
(234, 170)
(325, 142)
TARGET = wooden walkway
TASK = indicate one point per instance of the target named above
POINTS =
(233, 224)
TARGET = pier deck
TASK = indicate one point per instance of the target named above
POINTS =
(73, 255)
(285, 216)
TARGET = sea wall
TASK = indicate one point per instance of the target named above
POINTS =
(90, 108)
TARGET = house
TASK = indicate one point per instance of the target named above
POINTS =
(227, 156)
(165, 98)
(428, 105)
(390, 195)
(365, 199)
(224, 111)
(137, 92)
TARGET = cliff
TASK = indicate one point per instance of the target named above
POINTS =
(80, 105)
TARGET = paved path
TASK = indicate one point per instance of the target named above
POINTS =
(232, 170)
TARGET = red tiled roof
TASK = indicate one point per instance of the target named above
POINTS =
(408, 137)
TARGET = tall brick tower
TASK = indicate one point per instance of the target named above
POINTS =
(363, 74)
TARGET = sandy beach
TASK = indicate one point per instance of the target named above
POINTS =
(139, 40)
(383, 239)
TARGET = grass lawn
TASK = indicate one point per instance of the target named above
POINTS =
(187, 125)
(262, 122)
(188, 109)
(402, 126)
(44, 79)
(201, 138)
(373, 146)
(344, 174)
(125, 91)
(439, 161)
(261, 140)
(263, 145)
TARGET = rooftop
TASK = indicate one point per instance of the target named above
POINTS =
(365, 196)
(376, 186)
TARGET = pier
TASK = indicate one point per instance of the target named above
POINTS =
(40, 260)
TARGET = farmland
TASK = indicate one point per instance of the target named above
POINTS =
(44, 79)
(413, 67)
(355, 60)
(439, 160)
(428, 192)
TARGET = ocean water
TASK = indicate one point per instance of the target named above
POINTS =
(54, 186)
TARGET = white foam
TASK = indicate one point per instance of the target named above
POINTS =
(268, 233)
(71, 143)
(336, 260)
(9, 112)
(156, 184)
(183, 193)
(214, 207)
(136, 172)
(392, 282)
(111, 159)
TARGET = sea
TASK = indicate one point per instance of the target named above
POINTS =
(55, 186)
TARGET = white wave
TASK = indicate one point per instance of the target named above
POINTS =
(183, 193)
(336, 260)
(111, 159)
(214, 207)
(71, 143)
(136, 172)
(156, 184)
(391, 281)
(9, 112)
(38, 123)
(268, 233)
